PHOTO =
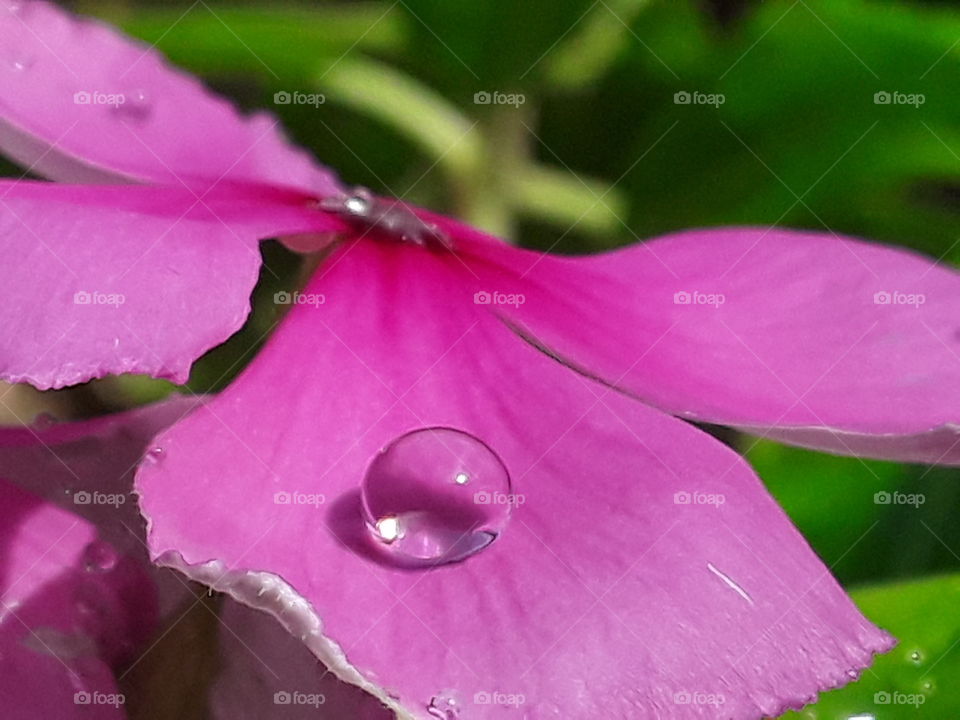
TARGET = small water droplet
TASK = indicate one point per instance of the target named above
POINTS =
(730, 583)
(445, 706)
(21, 63)
(99, 557)
(154, 455)
(136, 105)
(436, 495)
(916, 657)
(44, 421)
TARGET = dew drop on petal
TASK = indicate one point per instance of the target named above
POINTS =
(136, 106)
(445, 706)
(154, 455)
(99, 557)
(435, 495)
(44, 421)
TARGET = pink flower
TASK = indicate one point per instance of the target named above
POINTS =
(617, 561)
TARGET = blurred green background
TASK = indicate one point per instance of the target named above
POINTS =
(617, 120)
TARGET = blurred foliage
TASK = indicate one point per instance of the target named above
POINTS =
(600, 153)
(918, 677)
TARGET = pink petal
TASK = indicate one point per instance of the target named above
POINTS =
(61, 462)
(808, 338)
(60, 100)
(61, 623)
(606, 596)
(118, 279)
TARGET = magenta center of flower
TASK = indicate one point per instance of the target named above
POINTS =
(383, 218)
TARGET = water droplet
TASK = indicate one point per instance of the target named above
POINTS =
(916, 657)
(44, 421)
(445, 706)
(436, 495)
(730, 583)
(99, 557)
(21, 63)
(154, 455)
(136, 105)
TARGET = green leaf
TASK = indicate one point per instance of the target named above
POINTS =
(918, 677)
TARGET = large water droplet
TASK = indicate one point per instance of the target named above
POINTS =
(436, 495)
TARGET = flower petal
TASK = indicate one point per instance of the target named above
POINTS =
(80, 466)
(81, 103)
(809, 338)
(118, 279)
(61, 624)
(607, 595)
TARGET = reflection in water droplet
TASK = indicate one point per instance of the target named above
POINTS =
(916, 657)
(729, 582)
(445, 706)
(434, 496)
(99, 557)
